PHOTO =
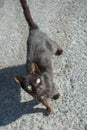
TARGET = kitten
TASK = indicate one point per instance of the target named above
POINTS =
(39, 81)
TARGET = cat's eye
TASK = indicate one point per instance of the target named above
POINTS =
(38, 81)
(29, 87)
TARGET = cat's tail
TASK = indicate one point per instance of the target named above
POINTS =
(27, 14)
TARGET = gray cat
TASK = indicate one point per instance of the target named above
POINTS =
(39, 80)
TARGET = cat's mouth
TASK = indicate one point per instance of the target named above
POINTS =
(36, 89)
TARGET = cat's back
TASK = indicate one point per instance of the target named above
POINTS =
(36, 36)
(36, 43)
(37, 48)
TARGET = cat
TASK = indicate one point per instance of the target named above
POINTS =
(38, 81)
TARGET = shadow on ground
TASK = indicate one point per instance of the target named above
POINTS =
(10, 106)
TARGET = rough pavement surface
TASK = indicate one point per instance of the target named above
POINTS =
(65, 21)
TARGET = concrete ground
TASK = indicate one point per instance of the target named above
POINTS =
(65, 21)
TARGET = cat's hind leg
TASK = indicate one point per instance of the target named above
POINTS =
(56, 49)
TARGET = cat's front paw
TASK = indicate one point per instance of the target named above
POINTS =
(48, 111)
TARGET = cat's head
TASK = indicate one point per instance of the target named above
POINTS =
(34, 81)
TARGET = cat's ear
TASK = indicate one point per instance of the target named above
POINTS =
(19, 79)
(35, 69)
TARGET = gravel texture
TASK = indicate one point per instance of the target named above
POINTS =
(65, 21)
